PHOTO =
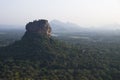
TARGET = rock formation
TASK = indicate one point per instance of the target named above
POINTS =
(40, 27)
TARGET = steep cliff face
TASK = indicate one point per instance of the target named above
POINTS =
(40, 27)
(36, 38)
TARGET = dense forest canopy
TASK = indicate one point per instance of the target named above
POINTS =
(39, 57)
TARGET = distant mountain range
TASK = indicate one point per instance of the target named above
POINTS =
(59, 26)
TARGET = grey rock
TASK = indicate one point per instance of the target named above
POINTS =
(41, 27)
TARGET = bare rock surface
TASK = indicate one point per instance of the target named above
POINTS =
(41, 27)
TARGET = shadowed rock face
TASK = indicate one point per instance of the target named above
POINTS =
(41, 27)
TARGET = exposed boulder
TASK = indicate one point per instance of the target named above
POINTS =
(41, 27)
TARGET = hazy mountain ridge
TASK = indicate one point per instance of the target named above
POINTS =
(59, 26)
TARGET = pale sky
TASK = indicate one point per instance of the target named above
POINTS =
(82, 12)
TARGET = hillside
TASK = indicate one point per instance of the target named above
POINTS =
(59, 26)
(38, 56)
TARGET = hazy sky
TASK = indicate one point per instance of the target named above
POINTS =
(82, 12)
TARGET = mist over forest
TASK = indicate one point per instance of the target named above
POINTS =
(68, 52)
(108, 33)
(59, 39)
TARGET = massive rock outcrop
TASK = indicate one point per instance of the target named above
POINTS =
(40, 27)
